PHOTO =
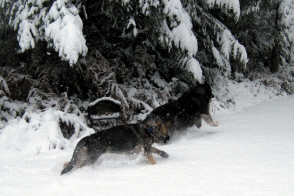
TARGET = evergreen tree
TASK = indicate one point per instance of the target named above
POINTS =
(143, 53)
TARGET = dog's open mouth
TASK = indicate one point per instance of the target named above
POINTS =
(105, 115)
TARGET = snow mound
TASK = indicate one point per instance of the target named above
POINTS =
(40, 132)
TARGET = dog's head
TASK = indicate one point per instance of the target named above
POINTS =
(203, 90)
(160, 130)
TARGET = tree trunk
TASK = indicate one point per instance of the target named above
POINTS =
(276, 60)
(276, 53)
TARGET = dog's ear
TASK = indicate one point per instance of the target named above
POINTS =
(166, 127)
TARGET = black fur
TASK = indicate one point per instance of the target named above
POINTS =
(187, 111)
(133, 138)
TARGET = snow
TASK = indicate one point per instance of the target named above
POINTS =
(60, 25)
(233, 5)
(105, 99)
(40, 132)
(66, 31)
(132, 23)
(287, 22)
(4, 84)
(194, 67)
(26, 33)
(180, 27)
(104, 116)
(249, 153)
(228, 42)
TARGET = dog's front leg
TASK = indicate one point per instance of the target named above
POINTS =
(208, 119)
(150, 158)
(159, 152)
(198, 120)
(147, 154)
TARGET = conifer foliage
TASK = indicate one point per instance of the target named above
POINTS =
(57, 22)
(62, 54)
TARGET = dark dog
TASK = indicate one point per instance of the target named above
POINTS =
(187, 111)
(133, 138)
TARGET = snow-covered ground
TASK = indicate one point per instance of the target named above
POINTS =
(250, 153)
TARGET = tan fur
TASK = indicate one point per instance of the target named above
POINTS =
(208, 119)
(65, 164)
(159, 122)
(150, 158)
(166, 127)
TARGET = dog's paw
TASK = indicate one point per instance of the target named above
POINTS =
(198, 125)
(164, 154)
(216, 123)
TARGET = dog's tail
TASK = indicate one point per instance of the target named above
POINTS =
(75, 160)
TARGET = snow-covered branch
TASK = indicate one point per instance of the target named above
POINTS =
(65, 31)
(60, 25)
(226, 5)
(230, 46)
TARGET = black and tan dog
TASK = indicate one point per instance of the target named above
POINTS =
(132, 138)
(187, 111)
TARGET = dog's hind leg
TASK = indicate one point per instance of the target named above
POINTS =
(78, 157)
(159, 152)
(73, 162)
(208, 119)
(95, 155)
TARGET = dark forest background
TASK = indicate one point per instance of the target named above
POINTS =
(128, 62)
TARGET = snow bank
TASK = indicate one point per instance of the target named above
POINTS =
(39, 132)
(232, 96)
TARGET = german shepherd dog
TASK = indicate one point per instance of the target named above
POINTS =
(132, 138)
(187, 111)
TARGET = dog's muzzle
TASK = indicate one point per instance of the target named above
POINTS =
(166, 138)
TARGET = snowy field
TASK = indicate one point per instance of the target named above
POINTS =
(250, 153)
